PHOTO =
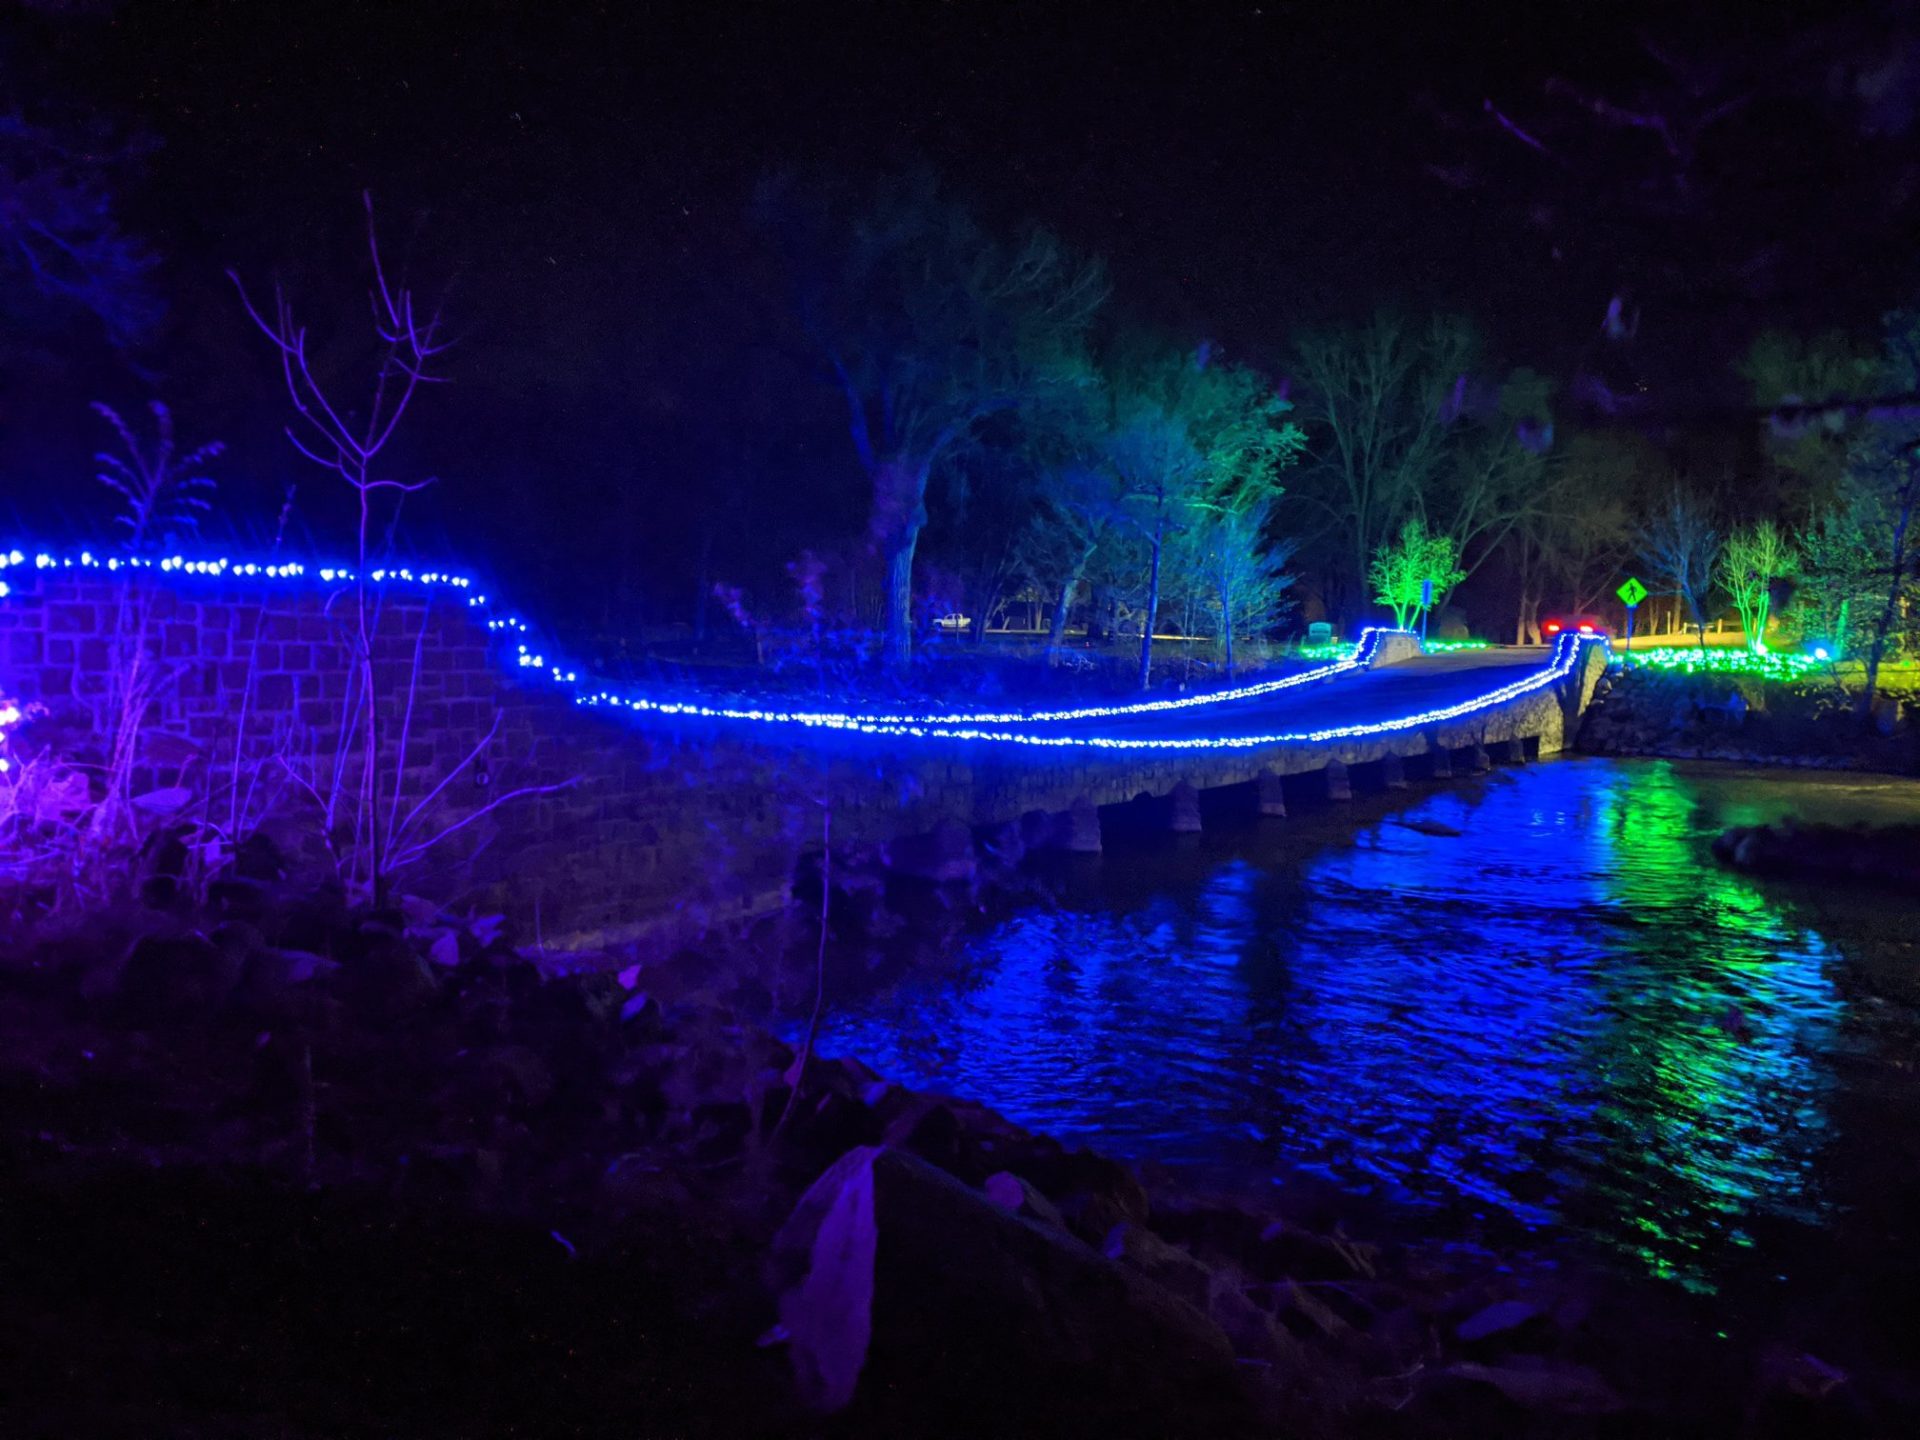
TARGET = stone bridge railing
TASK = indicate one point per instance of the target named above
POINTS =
(663, 828)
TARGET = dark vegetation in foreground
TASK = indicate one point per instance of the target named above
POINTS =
(284, 1168)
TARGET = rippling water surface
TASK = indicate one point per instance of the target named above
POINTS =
(1531, 1002)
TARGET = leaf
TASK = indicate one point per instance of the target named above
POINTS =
(165, 800)
(213, 853)
(486, 928)
(445, 950)
(828, 1315)
(636, 1004)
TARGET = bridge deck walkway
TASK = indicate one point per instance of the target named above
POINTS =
(1356, 697)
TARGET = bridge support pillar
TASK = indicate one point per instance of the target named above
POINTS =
(1183, 809)
(1339, 785)
(1079, 827)
(1440, 762)
(1514, 752)
(945, 856)
(1393, 774)
(1479, 763)
(1269, 796)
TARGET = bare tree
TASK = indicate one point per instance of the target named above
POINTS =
(1573, 534)
(1377, 403)
(351, 441)
(1191, 436)
(1682, 548)
(1076, 516)
(927, 325)
(1244, 575)
(1161, 473)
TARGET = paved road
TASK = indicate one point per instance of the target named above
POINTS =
(1355, 698)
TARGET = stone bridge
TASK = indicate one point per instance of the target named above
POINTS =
(663, 816)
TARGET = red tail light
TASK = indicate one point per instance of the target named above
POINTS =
(1553, 627)
(1586, 629)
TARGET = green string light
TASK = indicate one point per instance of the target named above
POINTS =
(1691, 660)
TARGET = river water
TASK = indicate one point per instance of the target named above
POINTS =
(1529, 1006)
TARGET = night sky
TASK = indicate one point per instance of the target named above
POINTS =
(580, 176)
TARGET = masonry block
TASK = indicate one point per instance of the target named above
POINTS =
(1183, 809)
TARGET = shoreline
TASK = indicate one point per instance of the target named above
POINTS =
(388, 1133)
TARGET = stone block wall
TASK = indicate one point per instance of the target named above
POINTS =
(665, 828)
(255, 688)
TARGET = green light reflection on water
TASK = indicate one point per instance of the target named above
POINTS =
(1720, 1006)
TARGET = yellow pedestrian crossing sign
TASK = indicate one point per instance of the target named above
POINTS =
(1631, 593)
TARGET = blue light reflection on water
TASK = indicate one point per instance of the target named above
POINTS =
(1564, 1015)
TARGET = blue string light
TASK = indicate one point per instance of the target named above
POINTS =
(1362, 656)
(951, 726)
(1566, 657)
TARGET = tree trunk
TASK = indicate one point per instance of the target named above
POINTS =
(900, 513)
(1526, 629)
(1100, 613)
(1153, 609)
(1063, 602)
(1226, 627)
(1897, 573)
(897, 648)
(1699, 620)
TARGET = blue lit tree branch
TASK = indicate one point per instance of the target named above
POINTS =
(409, 345)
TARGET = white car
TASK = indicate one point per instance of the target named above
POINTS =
(953, 620)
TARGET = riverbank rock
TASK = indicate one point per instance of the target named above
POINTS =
(1888, 857)
(923, 1308)
(1804, 722)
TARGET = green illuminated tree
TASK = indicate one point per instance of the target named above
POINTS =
(1755, 558)
(1838, 574)
(1857, 436)
(1193, 436)
(1404, 567)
